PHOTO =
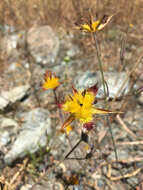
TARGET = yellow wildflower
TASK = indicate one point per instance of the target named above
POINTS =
(81, 107)
(131, 25)
(50, 81)
(94, 26)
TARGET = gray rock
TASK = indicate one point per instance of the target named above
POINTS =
(14, 83)
(140, 98)
(11, 41)
(43, 44)
(26, 187)
(113, 79)
(7, 123)
(101, 183)
(8, 129)
(133, 180)
(12, 95)
(4, 138)
(32, 136)
(7, 29)
(86, 79)
(122, 154)
(78, 187)
(48, 185)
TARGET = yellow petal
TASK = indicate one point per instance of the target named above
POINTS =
(102, 111)
(67, 121)
(86, 28)
(102, 25)
(68, 129)
(50, 81)
(95, 25)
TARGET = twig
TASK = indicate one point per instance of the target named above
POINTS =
(130, 143)
(14, 181)
(19, 171)
(121, 177)
(119, 119)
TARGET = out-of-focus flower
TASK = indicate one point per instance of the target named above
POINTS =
(94, 26)
(87, 147)
(72, 180)
(131, 25)
(50, 81)
(81, 106)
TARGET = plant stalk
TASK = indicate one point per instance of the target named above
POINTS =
(100, 65)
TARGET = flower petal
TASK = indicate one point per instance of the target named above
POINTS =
(68, 121)
(103, 111)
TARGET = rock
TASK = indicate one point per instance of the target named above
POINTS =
(43, 44)
(14, 83)
(4, 138)
(26, 187)
(134, 181)
(7, 29)
(101, 183)
(7, 131)
(7, 123)
(135, 120)
(140, 98)
(11, 42)
(122, 154)
(13, 95)
(114, 81)
(47, 185)
(86, 79)
(78, 187)
(32, 136)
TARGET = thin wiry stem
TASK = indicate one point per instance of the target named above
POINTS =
(104, 86)
(84, 138)
(105, 94)
(57, 102)
(76, 145)
(114, 145)
(100, 65)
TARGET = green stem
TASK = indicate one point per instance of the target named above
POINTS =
(100, 65)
